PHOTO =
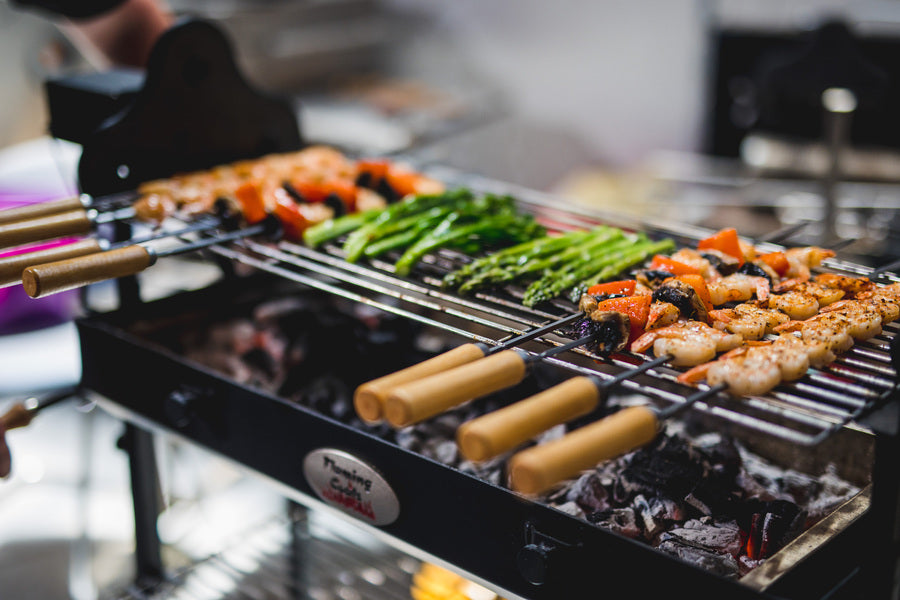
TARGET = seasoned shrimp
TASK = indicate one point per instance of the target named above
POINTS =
(850, 285)
(887, 306)
(662, 314)
(737, 287)
(693, 258)
(688, 342)
(824, 295)
(801, 260)
(864, 318)
(747, 373)
(794, 304)
(749, 321)
(833, 329)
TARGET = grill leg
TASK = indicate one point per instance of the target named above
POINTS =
(884, 518)
(298, 514)
(138, 443)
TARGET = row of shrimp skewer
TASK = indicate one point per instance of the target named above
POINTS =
(766, 327)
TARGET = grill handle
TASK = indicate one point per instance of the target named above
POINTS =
(539, 468)
(488, 436)
(52, 278)
(369, 398)
(419, 400)
(40, 209)
(72, 222)
(11, 267)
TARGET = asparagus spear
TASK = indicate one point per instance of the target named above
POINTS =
(356, 242)
(661, 247)
(320, 233)
(477, 271)
(579, 253)
(602, 266)
(505, 225)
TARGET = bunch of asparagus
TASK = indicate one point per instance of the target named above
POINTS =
(553, 266)
(421, 224)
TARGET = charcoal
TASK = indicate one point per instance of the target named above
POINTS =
(650, 519)
(618, 520)
(571, 508)
(668, 467)
(720, 564)
(588, 493)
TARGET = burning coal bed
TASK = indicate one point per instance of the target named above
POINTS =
(704, 499)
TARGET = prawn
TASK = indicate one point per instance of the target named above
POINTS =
(737, 287)
(749, 321)
(801, 260)
(688, 342)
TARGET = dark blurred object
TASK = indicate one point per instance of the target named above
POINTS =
(768, 107)
(193, 111)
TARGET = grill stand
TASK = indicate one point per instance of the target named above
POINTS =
(138, 443)
(882, 571)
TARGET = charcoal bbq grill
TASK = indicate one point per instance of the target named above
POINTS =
(846, 412)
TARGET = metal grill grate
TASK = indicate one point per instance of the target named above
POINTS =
(802, 412)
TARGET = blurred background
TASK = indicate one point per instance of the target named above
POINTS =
(723, 113)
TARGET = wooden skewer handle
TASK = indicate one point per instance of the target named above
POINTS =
(539, 468)
(40, 209)
(370, 397)
(11, 267)
(496, 432)
(419, 400)
(17, 233)
(59, 276)
(16, 416)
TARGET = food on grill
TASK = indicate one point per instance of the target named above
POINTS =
(558, 265)
(688, 342)
(756, 369)
(304, 187)
(424, 223)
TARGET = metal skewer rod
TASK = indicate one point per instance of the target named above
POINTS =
(11, 267)
(52, 278)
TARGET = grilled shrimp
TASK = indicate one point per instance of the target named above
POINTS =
(796, 305)
(745, 371)
(688, 342)
(833, 329)
(662, 314)
(737, 287)
(801, 260)
(693, 258)
(864, 318)
(887, 306)
(749, 321)
(823, 294)
(850, 285)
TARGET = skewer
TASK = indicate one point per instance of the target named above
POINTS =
(539, 468)
(11, 267)
(785, 233)
(369, 398)
(74, 203)
(52, 278)
(418, 400)
(493, 434)
(61, 224)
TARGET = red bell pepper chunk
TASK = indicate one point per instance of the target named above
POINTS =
(664, 263)
(726, 241)
(252, 205)
(778, 261)
(625, 287)
(636, 308)
(292, 220)
(376, 168)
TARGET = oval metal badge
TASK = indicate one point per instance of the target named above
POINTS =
(349, 484)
